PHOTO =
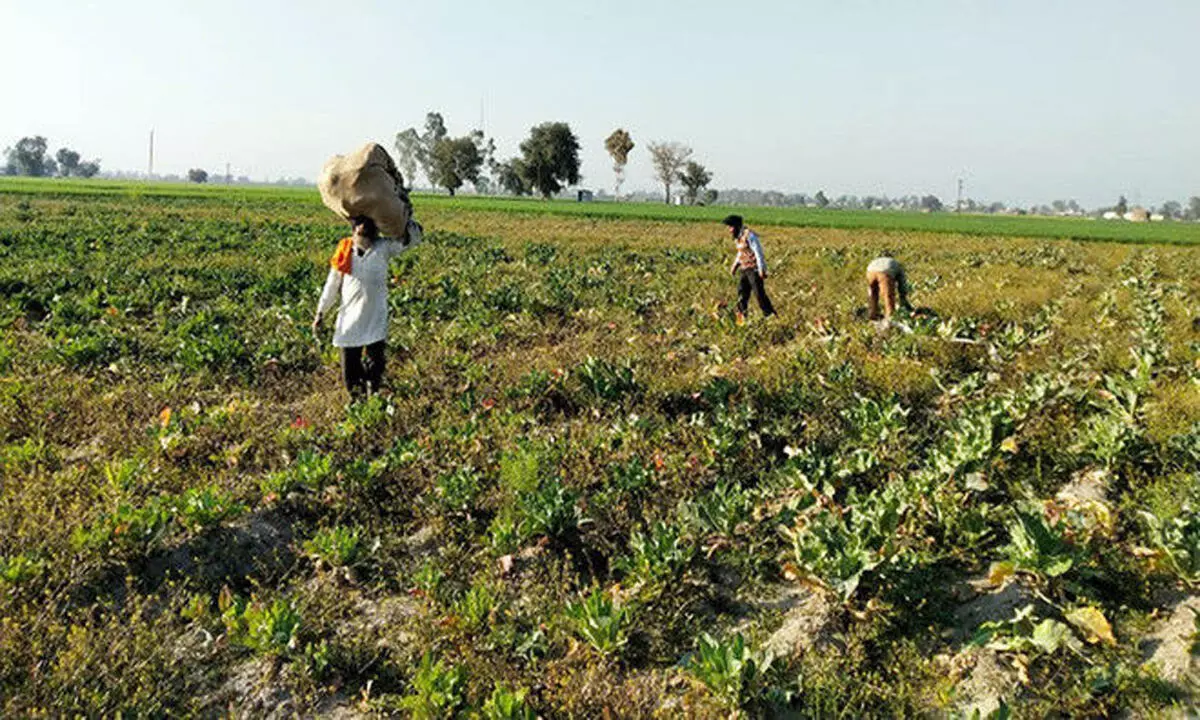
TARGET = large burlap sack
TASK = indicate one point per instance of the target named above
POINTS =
(366, 182)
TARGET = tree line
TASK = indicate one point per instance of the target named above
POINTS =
(1170, 210)
(30, 157)
(548, 161)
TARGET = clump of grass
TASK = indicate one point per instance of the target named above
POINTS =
(551, 511)
(270, 628)
(1177, 540)
(606, 381)
(506, 704)
(660, 554)
(839, 546)
(309, 472)
(200, 508)
(601, 620)
(731, 670)
(458, 491)
(438, 690)
(338, 547)
(476, 607)
(19, 569)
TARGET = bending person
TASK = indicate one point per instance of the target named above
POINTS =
(358, 272)
(886, 278)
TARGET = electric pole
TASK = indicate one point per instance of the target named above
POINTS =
(958, 205)
(150, 164)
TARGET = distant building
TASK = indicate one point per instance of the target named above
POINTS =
(1138, 214)
(1111, 215)
(584, 196)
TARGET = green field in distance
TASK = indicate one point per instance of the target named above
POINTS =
(1176, 233)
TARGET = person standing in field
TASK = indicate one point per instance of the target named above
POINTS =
(358, 272)
(749, 266)
(886, 279)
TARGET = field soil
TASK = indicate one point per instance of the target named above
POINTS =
(586, 489)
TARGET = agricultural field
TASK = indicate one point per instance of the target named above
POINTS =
(588, 492)
(1173, 233)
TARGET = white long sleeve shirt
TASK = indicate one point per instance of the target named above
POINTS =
(363, 314)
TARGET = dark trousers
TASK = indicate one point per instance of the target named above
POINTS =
(363, 375)
(751, 282)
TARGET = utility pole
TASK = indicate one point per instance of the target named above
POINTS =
(150, 164)
(228, 177)
(958, 205)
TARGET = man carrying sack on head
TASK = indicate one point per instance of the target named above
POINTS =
(750, 266)
(366, 183)
(366, 188)
(358, 276)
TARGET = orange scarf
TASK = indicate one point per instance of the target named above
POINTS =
(341, 257)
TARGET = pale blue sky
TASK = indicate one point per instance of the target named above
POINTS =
(1032, 100)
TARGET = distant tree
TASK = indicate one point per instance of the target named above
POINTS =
(695, 177)
(619, 144)
(931, 203)
(88, 169)
(710, 197)
(444, 165)
(417, 149)
(487, 152)
(1171, 210)
(28, 157)
(455, 161)
(1193, 208)
(550, 158)
(1059, 206)
(197, 175)
(435, 132)
(408, 154)
(668, 158)
(820, 199)
(510, 175)
(68, 161)
(1122, 206)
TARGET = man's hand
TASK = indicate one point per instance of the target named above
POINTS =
(316, 323)
(763, 275)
